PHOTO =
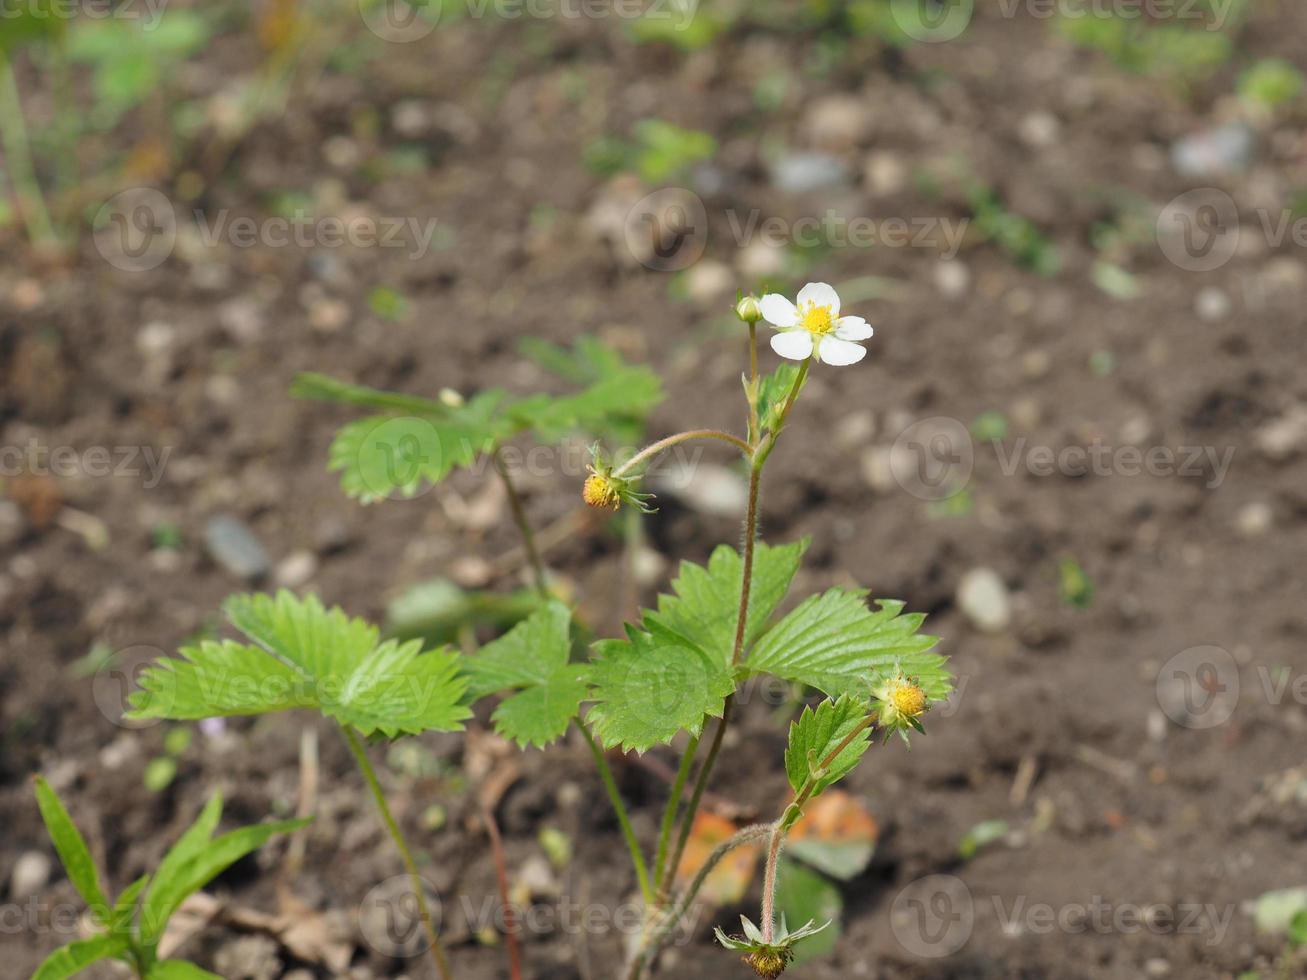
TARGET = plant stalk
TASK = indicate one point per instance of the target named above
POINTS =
(18, 153)
(424, 912)
(654, 448)
(623, 818)
(523, 526)
(661, 871)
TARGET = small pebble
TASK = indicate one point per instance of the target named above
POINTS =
(1254, 519)
(800, 173)
(296, 569)
(952, 278)
(30, 874)
(885, 174)
(708, 281)
(984, 599)
(1213, 304)
(1283, 437)
(232, 544)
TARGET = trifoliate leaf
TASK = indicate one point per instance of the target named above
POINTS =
(706, 604)
(817, 733)
(72, 849)
(652, 685)
(307, 657)
(531, 658)
(69, 960)
(835, 643)
(382, 456)
(628, 393)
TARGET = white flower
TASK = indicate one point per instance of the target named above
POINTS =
(815, 325)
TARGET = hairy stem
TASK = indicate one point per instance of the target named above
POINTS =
(657, 447)
(753, 385)
(523, 526)
(623, 818)
(781, 828)
(657, 937)
(661, 871)
(424, 912)
(18, 156)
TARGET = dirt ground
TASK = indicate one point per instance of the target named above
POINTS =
(1059, 728)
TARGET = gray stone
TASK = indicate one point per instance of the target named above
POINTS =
(1209, 152)
(984, 599)
(30, 874)
(232, 544)
(799, 173)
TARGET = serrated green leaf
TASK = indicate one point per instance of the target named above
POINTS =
(321, 387)
(630, 392)
(309, 657)
(706, 601)
(384, 456)
(532, 658)
(817, 733)
(66, 961)
(215, 857)
(179, 970)
(835, 643)
(72, 849)
(652, 685)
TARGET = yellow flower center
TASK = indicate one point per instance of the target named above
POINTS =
(601, 491)
(908, 699)
(817, 320)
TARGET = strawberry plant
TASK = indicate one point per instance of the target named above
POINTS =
(671, 679)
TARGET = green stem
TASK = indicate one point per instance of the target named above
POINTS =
(765, 449)
(623, 818)
(370, 774)
(661, 444)
(523, 526)
(18, 153)
(661, 871)
(754, 424)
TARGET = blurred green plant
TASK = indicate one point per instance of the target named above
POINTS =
(1270, 84)
(659, 152)
(130, 927)
(1015, 234)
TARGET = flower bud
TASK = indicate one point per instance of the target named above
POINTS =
(748, 310)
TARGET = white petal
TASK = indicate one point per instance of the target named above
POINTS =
(852, 328)
(839, 352)
(794, 344)
(778, 311)
(820, 294)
